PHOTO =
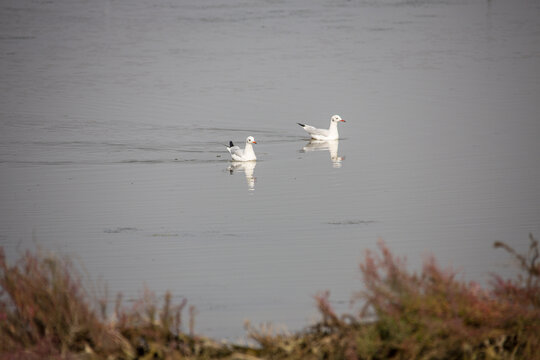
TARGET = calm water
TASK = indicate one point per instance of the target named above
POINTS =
(114, 115)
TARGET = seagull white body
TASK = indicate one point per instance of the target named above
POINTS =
(246, 154)
(324, 134)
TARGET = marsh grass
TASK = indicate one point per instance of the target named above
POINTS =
(429, 315)
(45, 312)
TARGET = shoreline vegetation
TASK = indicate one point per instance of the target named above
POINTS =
(46, 312)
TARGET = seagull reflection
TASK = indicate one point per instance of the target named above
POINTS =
(248, 168)
(331, 146)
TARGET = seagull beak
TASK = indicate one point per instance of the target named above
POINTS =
(342, 120)
(254, 142)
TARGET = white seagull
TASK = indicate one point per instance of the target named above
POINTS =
(324, 134)
(246, 154)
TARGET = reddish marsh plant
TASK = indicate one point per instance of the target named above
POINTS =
(44, 309)
(426, 315)
(45, 312)
(526, 288)
(434, 315)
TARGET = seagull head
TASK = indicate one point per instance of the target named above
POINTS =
(250, 140)
(336, 119)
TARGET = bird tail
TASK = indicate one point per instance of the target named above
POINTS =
(302, 125)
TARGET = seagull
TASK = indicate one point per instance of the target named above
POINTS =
(246, 154)
(324, 134)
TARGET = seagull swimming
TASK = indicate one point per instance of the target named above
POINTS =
(246, 154)
(324, 134)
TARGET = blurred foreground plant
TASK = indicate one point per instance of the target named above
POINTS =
(430, 315)
(45, 312)
(433, 315)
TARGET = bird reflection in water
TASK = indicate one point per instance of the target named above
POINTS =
(248, 168)
(331, 146)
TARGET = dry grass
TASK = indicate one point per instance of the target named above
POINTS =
(45, 312)
(430, 315)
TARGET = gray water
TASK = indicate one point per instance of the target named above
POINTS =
(114, 116)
